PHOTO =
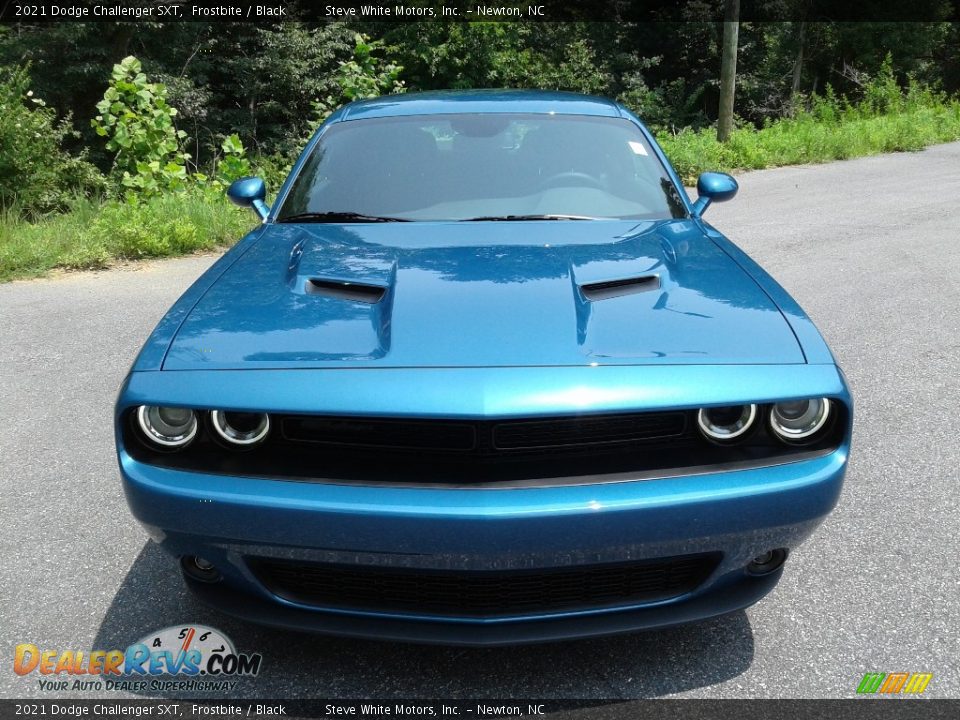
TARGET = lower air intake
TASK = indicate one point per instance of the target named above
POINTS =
(484, 593)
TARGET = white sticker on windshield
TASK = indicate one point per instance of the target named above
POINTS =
(638, 148)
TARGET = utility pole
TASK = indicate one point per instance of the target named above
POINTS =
(728, 68)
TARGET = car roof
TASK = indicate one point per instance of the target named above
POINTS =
(480, 101)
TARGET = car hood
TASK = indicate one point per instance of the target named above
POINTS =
(482, 294)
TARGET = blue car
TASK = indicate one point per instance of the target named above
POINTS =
(483, 375)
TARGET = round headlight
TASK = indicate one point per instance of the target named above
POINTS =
(722, 424)
(168, 427)
(799, 420)
(240, 428)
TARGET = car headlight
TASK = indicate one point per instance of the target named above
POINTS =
(240, 428)
(169, 427)
(799, 420)
(723, 424)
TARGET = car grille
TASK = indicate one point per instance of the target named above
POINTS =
(483, 593)
(373, 433)
(483, 437)
(586, 431)
(456, 452)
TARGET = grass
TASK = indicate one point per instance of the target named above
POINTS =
(94, 235)
(830, 132)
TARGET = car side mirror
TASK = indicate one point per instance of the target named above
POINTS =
(711, 187)
(249, 192)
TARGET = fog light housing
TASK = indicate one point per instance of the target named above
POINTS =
(768, 562)
(726, 424)
(200, 569)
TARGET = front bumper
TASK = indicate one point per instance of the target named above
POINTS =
(739, 514)
(735, 514)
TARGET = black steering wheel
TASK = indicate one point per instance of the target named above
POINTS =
(571, 178)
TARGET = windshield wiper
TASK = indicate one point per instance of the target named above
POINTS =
(339, 216)
(494, 218)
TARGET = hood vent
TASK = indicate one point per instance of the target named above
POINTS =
(617, 288)
(345, 290)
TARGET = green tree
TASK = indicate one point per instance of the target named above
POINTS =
(138, 123)
(259, 80)
(557, 56)
(365, 75)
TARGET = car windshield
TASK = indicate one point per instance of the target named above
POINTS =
(488, 166)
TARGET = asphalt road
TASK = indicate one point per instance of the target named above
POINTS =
(871, 249)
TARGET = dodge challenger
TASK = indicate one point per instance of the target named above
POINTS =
(483, 374)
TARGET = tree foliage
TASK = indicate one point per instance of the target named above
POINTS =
(264, 81)
(36, 174)
(365, 75)
(137, 121)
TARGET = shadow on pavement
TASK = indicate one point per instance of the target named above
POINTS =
(648, 664)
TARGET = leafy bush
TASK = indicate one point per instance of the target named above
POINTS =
(169, 225)
(36, 174)
(273, 169)
(363, 76)
(138, 123)
(233, 164)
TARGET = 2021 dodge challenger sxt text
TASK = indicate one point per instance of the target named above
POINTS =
(483, 375)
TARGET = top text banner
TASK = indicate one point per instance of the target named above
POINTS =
(28, 11)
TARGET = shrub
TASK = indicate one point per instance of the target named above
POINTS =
(233, 164)
(169, 225)
(36, 174)
(363, 76)
(273, 169)
(138, 123)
